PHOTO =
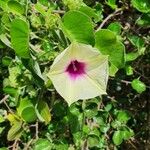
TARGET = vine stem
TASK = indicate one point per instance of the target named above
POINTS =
(36, 130)
(127, 82)
(28, 145)
(83, 108)
(15, 145)
(4, 101)
(84, 145)
(109, 17)
(58, 11)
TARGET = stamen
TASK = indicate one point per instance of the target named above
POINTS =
(75, 69)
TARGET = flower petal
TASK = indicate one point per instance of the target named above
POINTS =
(83, 52)
(99, 73)
(75, 51)
(72, 90)
(61, 61)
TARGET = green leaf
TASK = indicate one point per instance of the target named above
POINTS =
(108, 107)
(105, 37)
(5, 40)
(19, 33)
(107, 43)
(3, 5)
(3, 148)
(61, 146)
(89, 12)
(90, 113)
(121, 135)
(138, 85)
(144, 20)
(129, 70)
(78, 27)
(26, 110)
(11, 91)
(15, 7)
(15, 131)
(136, 41)
(115, 27)
(132, 56)
(141, 5)
(73, 4)
(6, 20)
(6, 60)
(117, 137)
(1, 44)
(127, 134)
(13, 118)
(42, 144)
(86, 129)
(93, 141)
(77, 138)
(123, 116)
(94, 131)
(115, 124)
(1, 118)
(59, 110)
(43, 112)
(40, 8)
(112, 70)
(104, 128)
(75, 119)
(100, 121)
(34, 67)
(111, 3)
(14, 72)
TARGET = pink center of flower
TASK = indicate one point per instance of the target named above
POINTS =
(75, 69)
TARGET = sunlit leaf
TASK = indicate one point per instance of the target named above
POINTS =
(107, 43)
(138, 85)
(15, 131)
(42, 144)
(117, 138)
(15, 7)
(26, 110)
(115, 27)
(123, 116)
(78, 27)
(111, 3)
(19, 33)
(141, 5)
(43, 112)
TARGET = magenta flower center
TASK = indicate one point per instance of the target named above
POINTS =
(75, 68)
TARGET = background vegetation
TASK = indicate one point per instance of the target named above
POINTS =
(33, 115)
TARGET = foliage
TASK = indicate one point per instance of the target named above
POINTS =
(32, 113)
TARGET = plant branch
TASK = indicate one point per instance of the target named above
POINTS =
(58, 11)
(109, 17)
(28, 144)
(36, 130)
(15, 145)
(4, 101)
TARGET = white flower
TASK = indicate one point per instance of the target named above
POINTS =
(79, 72)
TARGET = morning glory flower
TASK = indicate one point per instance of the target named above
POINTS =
(79, 72)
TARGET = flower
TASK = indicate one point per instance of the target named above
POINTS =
(79, 72)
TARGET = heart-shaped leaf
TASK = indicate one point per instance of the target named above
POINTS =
(26, 110)
(141, 5)
(19, 33)
(108, 44)
(43, 112)
(78, 27)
